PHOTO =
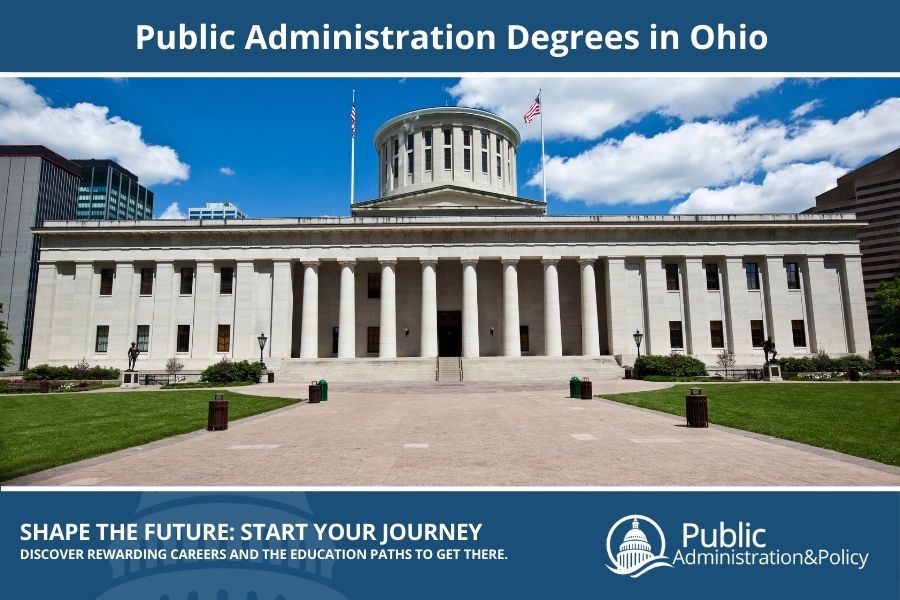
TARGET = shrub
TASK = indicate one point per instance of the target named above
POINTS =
(174, 366)
(66, 372)
(674, 365)
(822, 363)
(226, 371)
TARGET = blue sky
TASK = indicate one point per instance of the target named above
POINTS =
(637, 145)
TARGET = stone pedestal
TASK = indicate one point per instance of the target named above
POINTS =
(130, 380)
(771, 372)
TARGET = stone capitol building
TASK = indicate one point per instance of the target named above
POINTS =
(448, 269)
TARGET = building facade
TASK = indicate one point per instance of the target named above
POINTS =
(109, 191)
(872, 192)
(447, 266)
(216, 210)
(36, 184)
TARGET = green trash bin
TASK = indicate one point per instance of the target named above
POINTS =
(323, 390)
(574, 388)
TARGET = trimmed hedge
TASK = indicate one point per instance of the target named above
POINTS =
(673, 365)
(226, 371)
(66, 372)
(822, 363)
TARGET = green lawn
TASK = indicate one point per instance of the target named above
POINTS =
(42, 431)
(862, 419)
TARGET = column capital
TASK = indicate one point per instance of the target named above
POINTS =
(310, 263)
(204, 261)
(347, 262)
(550, 261)
(425, 262)
(468, 261)
(509, 260)
(385, 262)
(587, 260)
(281, 261)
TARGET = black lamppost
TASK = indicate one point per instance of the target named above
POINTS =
(262, 339)
(638, 336)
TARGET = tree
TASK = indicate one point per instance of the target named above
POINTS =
(886, 341)
(725, 359)
(174, 366)
(5, 357)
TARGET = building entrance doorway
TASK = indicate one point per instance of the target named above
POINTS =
(449, 332)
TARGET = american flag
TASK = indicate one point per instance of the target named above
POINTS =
(534, 110)
(353, 120)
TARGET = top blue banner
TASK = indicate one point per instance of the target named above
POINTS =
(416, 37)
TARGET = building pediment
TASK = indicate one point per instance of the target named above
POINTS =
(448, 200)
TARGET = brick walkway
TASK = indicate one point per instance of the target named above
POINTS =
(468, 435)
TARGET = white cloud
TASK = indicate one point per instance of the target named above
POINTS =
(587, 108)
(848, 141)
(83, 131)
(173, 212)
(639, 169)
(790, 189)
(226, 171)
(806, 108)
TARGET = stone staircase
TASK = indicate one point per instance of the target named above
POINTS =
(449, 369)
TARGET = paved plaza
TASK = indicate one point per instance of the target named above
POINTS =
(467, 434)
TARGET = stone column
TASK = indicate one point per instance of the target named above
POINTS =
(738, 326)
(161, 329)
(776, 300)
(282, 309)
(309, 319)
(387, 339)
(429, 347)
(206, 294)
(347, 311)
(621, 341)
(590, 327)
(470, 342)
(856, 317)
(244, 333)
(695, 314)
(656, 340)
(44, 315)
(552, 325)
(512, 343)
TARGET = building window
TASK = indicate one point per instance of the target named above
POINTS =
(374, 285)
(448, 149)
(147, 274)
(757, 335)
(183, 340)
(102, 342)
(467, 150)
(793, 277)
(499, 157)
(384, 161)
(499, 167)
(334, 340)
(712, 276)
(799, 332)
(427, 137)
(106, 281)
(523, 338)
(187, 281)
(676, 339)
(395, 160)
(410, 157)
(372, 340)
(484, 152)
(752, 271)
(143, 338)
(716, 336)
(226, 280)
(672, 277)
(223, 340)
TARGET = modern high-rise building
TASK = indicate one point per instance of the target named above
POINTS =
(872, 192)
(216, 210)
(108, 191)
(36, 184)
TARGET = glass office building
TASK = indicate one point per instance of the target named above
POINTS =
(108, 191)
(216, 210)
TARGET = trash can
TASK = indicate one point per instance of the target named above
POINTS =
(695, 409)
(574, 387)
(629, 373)
(44, 386)
(270, 377)
(314, 392)
(217, 419)
(587, 389)
(323, 390)
(853, 374)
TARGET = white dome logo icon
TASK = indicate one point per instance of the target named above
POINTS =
(635, 556)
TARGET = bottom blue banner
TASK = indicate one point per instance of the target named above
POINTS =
(447, 544)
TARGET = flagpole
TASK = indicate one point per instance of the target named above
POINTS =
(543, 161)
(353, 155)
